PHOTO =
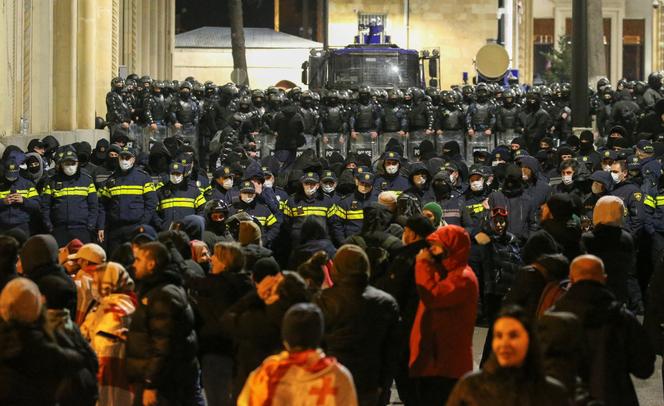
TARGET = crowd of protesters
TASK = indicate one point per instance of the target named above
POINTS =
(327, 268)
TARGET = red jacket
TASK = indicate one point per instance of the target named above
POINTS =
(442, 335)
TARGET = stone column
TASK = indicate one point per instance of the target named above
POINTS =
(161, 39)
(170, 38)
(40, 60)
(103, 59)
(144, 49)
(154, 42)
(86, 57)
(6, 72)
(64, 65)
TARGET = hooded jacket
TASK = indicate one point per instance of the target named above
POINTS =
(521, 211)
(538, 186)
(448, 291)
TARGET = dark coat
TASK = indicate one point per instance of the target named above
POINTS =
(161, 344)
(58, 288)
(527, 289)
(214, 295)
(496, 386)
(32, 365)
(567, 234)
(618, 344)
(362, 329)
(304, 251)
(615, 247)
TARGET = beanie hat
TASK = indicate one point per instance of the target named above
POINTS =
(39, 250)
(561, 206)
(73, 246)
(250, 233)
(265, 267)
(539, 243)
(20, 301)
(302, 326)
(609, 210)
(389, 200)
(420, 225)
(351, 260)
(437, 211)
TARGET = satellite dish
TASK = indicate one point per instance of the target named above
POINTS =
(492, 61)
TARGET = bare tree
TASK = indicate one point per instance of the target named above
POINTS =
(239, 75)
(596, 52)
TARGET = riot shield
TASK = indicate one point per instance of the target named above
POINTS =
(364, 144)
(187, 134)
(451, 135)
(265, 144)
(384, 138)
(135, 136)
(415, 138)
(505, 137)
(309, 143)
(151, 137)
(331, 143)
(478, 142)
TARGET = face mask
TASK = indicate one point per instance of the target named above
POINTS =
(247, 199)
(606, 168)
(391, 169)
(69, 170)
(126, 165)
(176, 179)
(268, 183)
(310, 191)
(477, 185)
(453, 178)
(616, 177)
(419, 180)
(597, 188)
(228, 183)
(364, 189)
(567, 179)
(328, 188)
(525, 178)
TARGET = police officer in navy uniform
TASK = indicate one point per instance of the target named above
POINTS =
(391, 180)
(19, 200)
(651, 168)
(328, 184)
(127, 200)
(350, 210)
(222, 186)
(69, 202)
(310, 201)
(177, 198)
(252, 203)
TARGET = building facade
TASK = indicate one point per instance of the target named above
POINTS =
(57, 57)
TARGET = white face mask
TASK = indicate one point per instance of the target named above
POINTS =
(496, 163)
(477, 185)
(453, 178)
(176, 179)
(419, 179)
(69, 170)
(228, 183)
(391, 169)
(524, 177)
(268, 183)
(616, 177)
(126, 165)
(310, 190)
(328, 188)
(567, 179)
(247, 198)
(364, 188)
(606, 168)
(597, 188)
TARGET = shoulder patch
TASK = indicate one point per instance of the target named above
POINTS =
(638, 196)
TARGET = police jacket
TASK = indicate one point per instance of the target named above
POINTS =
(15, 214)
(653, 204)
(633, 199)
(651, 170)
(269, 220)
(350, 211)
(176, 202)
(70, 201)
(299, 206)
(476, 211)
(217, 192)
(127, 198)
(396, 183)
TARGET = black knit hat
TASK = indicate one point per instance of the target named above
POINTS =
(561, 206)
(265, 267)
(420, 225)
(38, 251)
(302, 326)
(539, 243)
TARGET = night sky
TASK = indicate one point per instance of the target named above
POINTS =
(193, 14)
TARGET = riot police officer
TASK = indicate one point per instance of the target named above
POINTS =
(365, 124)
(452, 122)
(420, 122)
(480, 122)
(127, 200)
(333, 125)
(395, 119)
(506, 118)
(69, 202)
(310, 117)
(118, 112)
(185, 113)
